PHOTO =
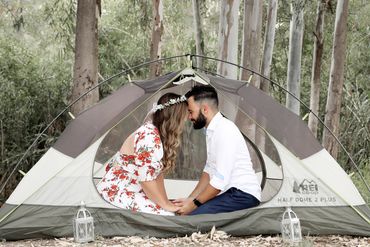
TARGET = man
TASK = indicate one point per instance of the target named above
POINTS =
(228, 181)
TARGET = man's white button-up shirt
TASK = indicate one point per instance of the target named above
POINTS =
(228, 160)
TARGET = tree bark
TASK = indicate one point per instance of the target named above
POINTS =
(2, 140)
(228, 38)
(316, 66)
(269, 44)
(268, 48)
(199, 42)
(335, 89)
(295, 53)
(251, 57)
(156, 42)
(85, 71)
(251, 51)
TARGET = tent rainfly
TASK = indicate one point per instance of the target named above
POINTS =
(294, 170)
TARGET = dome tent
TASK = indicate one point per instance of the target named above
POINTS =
(294, 170)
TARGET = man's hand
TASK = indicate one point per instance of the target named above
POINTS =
(182, 201)
(187, 207)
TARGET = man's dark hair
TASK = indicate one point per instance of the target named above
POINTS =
(203, 92)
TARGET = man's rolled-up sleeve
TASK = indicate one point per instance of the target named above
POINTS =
(225, 153)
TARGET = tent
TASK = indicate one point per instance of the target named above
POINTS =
(294, 170)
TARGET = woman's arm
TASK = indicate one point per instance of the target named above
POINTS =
(154, 190)
(162, 189)
(149, 152)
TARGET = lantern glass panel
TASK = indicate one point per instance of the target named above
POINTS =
(297, 235)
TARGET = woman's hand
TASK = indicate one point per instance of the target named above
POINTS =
(182, 201)
(185, 205)
(156, 193)
(187, 208)
(170, 207)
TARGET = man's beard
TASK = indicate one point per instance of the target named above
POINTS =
(200, 122)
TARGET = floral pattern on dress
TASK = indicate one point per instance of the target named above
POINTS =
(121, 183)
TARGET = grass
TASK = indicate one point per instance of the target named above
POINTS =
(360, 183)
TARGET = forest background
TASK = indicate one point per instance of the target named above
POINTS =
(37, 75)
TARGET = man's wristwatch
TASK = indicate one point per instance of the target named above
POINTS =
(197, 203)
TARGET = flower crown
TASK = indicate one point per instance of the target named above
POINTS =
(168, 103)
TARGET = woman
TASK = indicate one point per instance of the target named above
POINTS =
(135, 175)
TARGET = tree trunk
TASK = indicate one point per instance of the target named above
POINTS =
(228, 38)
(268, 48)
(269, 44)
(251, 51)
(295, 53)
(85, 71)
(251, 57)
(316, 67)
(334, 99)
(156, 43)
(2, 141)
(199, 42)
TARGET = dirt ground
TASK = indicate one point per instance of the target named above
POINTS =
(213, 238)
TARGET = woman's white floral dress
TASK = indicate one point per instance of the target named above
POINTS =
(120, 185)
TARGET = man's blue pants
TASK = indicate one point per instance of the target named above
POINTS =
(231, 200)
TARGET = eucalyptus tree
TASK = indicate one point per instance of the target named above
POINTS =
(251, 55)
(85, 70)
(156, 41)
(295, 54)
(269, 42)
(335, 89)
(251, 45)
(199, 41)
(228, 38)
(316, 66)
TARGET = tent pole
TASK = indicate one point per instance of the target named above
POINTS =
(364, 217)
(76, 100)
(302, 103)
(165, 59)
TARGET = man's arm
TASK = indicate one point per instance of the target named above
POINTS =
(201, 185)
(207, 194)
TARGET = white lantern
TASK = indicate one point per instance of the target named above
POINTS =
(83, 225)
(291, 227)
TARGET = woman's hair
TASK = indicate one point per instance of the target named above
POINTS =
(170, 122)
